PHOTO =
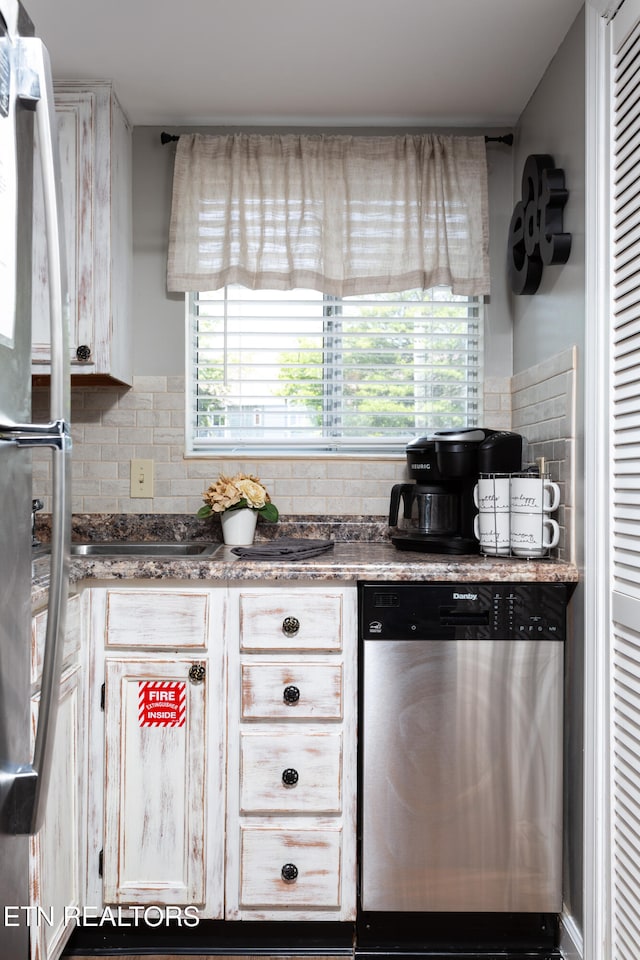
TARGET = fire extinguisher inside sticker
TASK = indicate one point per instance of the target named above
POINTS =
(162, 703)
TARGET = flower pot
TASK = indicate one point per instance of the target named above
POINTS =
(239, 526)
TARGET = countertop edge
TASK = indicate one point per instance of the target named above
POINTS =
(345, 563)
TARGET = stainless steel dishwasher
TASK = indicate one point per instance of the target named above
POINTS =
(461, 746)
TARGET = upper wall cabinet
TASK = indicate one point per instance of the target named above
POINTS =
(95, 149)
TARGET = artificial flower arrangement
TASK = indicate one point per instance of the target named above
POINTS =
(234, 493)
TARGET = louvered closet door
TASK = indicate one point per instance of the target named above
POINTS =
(625, 599)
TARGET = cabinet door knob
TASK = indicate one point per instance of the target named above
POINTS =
(291, 695)
(290, 626)
(197, 672)
(290, 777)
(289, 873)
(83, 352)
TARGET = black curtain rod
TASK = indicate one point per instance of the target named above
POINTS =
(508, 138)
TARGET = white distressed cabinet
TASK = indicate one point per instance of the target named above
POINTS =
(291, 786)
(244, 802)
(155, 799)
(96, 170)
(158, 816)
(58, 850)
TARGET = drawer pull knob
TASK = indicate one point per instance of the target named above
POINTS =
(289, 873)
(291, 695)
(197, 672)
(289, 777)
(290, 626)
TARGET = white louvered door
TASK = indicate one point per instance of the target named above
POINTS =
(625, 488)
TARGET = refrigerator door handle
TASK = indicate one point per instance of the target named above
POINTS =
(36, 434)
(32, 780)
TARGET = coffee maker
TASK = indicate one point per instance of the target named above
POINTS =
(438, 508)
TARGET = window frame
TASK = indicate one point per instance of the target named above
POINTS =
(325, 447)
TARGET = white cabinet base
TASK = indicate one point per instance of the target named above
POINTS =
(155, 798)
(57, 851)
(247, 810)
(291, 752)
(156, 810)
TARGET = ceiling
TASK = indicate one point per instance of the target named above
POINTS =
(292, 62)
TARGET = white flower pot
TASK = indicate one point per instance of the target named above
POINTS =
(239, 526)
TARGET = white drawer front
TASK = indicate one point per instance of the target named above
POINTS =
(315, 856)
(269, 622)
(291, 691)
(157, 619)
(297, 773)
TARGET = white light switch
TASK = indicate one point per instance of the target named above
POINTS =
(142, 478)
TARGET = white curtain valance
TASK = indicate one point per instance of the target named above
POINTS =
(345, 215)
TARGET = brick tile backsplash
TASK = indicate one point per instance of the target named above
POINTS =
(113, 425)
(543, 410)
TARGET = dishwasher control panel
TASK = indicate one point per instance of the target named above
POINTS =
(450, 611)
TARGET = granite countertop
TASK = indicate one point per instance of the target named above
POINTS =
(361, 551)
(346, 562)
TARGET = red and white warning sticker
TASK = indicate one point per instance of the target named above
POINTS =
(162, 703)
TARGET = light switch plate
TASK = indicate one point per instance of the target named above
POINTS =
(142, 478)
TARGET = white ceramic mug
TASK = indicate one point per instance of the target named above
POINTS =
(491, 493)
(492, 530)
(533, 495)
(533, 534)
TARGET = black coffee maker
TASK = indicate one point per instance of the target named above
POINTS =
(438, 508)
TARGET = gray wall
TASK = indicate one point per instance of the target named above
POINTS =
(544, 325)
(553, 122)
(158, 334)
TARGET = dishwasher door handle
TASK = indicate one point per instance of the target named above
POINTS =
(450, 617)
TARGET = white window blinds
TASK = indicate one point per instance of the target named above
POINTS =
(306, 373)
(343, 214)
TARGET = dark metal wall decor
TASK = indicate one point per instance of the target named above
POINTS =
(536, 238)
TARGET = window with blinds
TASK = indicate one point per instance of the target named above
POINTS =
(304, 373)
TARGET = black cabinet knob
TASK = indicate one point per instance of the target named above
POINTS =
(197, 672)
(291, 695)
(290, 777)
(289, 873)
(83, 353)
(290, 626)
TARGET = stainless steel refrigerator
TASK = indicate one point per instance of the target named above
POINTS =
(26, 115)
